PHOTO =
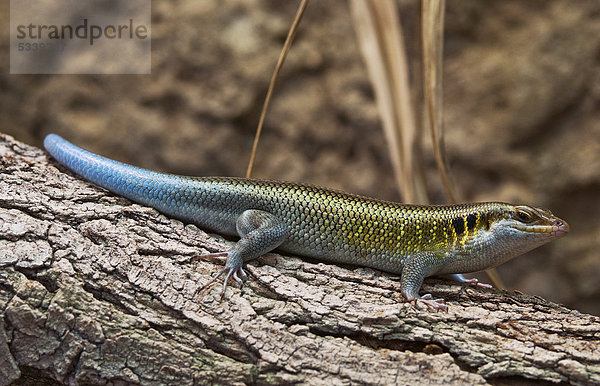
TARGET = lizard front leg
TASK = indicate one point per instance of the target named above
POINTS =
(260, 232)
(416, 268)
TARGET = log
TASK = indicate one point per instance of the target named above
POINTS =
(95, 289)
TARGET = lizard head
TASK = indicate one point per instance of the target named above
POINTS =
(517, 229)
(504, 231)
(535, 222)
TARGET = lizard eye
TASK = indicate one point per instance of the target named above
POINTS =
(522, 216)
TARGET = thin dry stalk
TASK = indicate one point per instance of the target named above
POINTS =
(282, 56)
(382, 44)
(432, 35)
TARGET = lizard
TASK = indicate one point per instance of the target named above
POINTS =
(413, 241)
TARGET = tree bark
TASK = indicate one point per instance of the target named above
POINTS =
(96, 289)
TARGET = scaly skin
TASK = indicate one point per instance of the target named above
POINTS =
(413, 241)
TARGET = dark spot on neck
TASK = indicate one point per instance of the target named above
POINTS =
(486, 218)
(459, 225)
(471, 221)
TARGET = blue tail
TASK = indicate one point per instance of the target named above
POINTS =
(141, 185)
(115, 176)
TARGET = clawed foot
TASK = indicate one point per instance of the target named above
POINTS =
(476, 283)
(238, 274)
(430, 302)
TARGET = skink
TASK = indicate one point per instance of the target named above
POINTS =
(412, 241)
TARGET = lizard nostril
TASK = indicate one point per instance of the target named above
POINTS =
(562, 225)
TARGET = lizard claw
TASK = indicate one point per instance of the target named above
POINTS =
(239, 276)
(214, 279)
(237, 273)
(476, 283)
(461, 279)
(209, 256)
(430, 302)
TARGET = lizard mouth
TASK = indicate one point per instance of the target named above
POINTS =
(558, 228)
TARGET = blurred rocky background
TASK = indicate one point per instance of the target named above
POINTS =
(522, 110)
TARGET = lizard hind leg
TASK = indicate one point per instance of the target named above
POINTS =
(260, 232)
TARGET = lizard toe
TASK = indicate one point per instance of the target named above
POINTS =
(430, 302)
